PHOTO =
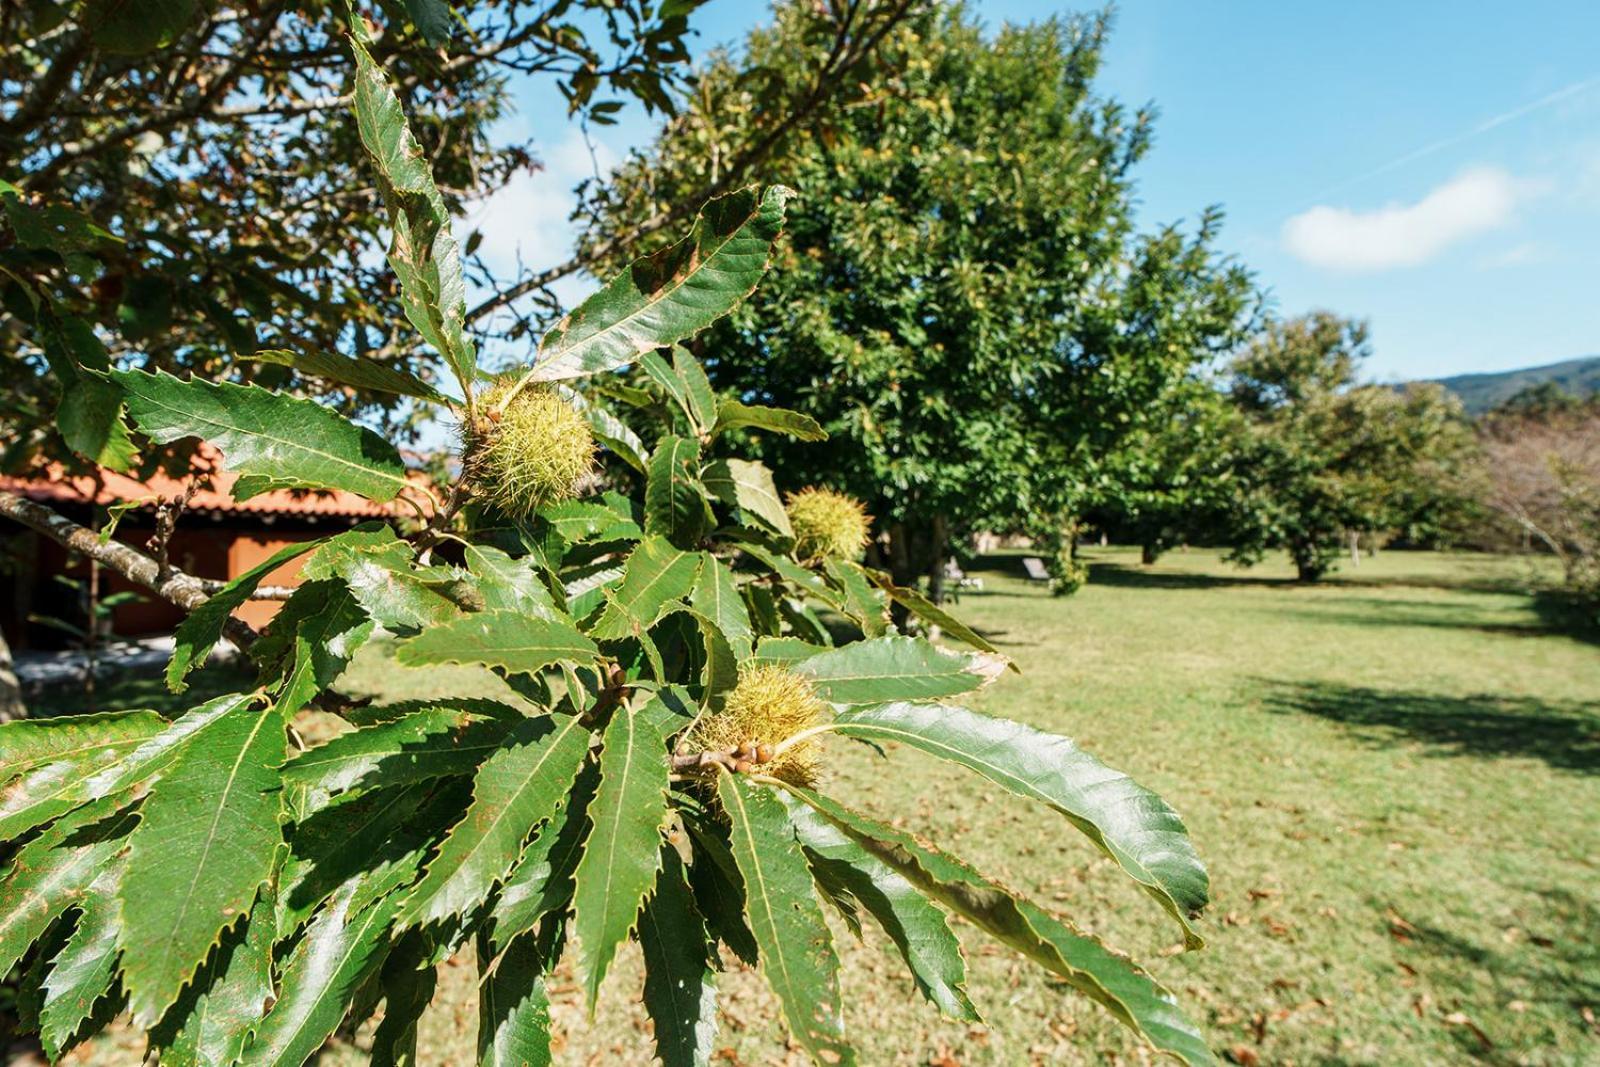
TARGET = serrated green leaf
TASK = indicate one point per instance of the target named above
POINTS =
(83, 971)
(516, 791)
(541, 883)
(796, 575)
(719, 672)
(660, 371)
(381, 833)
(609, 431)
(433, 20)
(797, 955)
(443, 738)
(506, 639)
(929, 612)
(514, 1006)
(52, 872)
(1113, 981)
(890, 668)
(408, 981)
(508, 584)
(587, 591)
(423, 253)
(357, 372)
(716, 598)
(680, 986)
(675, 505)
(623, 851)
(342, 946)
(158, 752)
(89, 411)
(747, 485)
(28, 744)
(578, 521)
(861, 600)
(656, 574)
(804, 620)
(697, 391)
(718, 889)
(786, 651)
(275, 438)
(213, 1019)
(916, 926)
(200, 630)
(53, 759)
(383, 576)
(207, 836)
(665, 297)
(733, 415)
(324, 627)
(1125, 820)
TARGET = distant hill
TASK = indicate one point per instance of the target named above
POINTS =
(1481, 392)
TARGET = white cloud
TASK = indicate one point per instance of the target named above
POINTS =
(526, 223)
(1518, 255)
(1404, 235)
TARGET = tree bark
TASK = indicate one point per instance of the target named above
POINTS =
(12, 705)
(1148, 554)
(1355, 548)
(937, 536)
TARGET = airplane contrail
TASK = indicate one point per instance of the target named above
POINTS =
(1483, 127)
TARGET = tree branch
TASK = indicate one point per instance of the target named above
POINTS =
(184, 590)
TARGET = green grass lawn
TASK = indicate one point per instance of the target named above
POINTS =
(1394, 777)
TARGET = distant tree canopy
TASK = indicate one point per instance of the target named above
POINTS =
(1325, 456)
(965, 302)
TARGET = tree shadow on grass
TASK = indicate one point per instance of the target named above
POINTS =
(1563, 734)
(1122, 576)
(1556, 614)
(1553, 965)
(1564, 613)
(1373, 611)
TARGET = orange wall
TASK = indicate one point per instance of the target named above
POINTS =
(248, 550)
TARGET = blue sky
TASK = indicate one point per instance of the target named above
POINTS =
(1434, 167)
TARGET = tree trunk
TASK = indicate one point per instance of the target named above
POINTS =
(1148, 554)
(936, 553)
(900, 569)
(11, 702)
(1355, 548)
(1308, 562)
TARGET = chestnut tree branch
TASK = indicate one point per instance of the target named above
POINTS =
(184, 590)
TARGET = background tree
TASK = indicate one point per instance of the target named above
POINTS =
(1174, 479)
(1540, 479)
(1326, 457)
(965, 305)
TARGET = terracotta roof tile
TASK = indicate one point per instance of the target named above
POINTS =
(215, 495)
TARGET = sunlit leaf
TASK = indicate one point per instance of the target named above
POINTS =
(667, 296)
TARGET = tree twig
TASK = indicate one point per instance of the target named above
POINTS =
(184, 590)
